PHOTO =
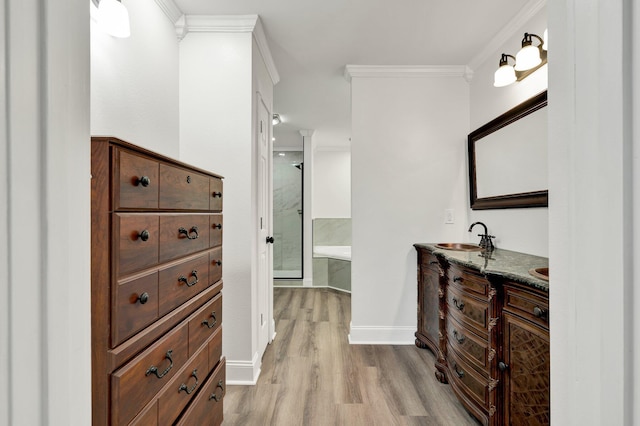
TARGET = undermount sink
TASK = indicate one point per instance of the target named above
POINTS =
(459, 246)
(542, 273)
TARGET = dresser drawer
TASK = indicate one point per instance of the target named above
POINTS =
(135, 306)
(182, 189)
(148, 416)
(135, 384)
(215, 231)
(468, 310)
(181, 282)
(137, 182)
(215, 348)
(527, 304)
(206, 408)
(215, 265)
(204, 323)
(470, 346)
(137, 244)
(183, 387)
(468, 280)
(467, 380)
(215, 191)
(181, 235)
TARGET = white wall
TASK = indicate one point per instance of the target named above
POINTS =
(134, 81)
(332, 183)
(524, 230)
(403, 176)
(216, 103)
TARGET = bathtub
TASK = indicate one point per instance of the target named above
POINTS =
(332, 267)
(333, 252)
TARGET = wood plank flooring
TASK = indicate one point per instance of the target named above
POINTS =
(312, 376)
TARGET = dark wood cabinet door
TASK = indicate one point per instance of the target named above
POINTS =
(429, 322)
(526, 377)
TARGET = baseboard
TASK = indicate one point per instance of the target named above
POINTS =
(375, 335)
(244, 372)
(339, 289)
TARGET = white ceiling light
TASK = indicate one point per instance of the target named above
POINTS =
(276, 119)
(529, 56)
(113, 18)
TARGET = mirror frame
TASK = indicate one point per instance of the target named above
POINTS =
(505, 201)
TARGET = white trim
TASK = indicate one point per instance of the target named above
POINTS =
(506, 33)
(171, 9)
(378, 335)
(338, 289)
(244, 372)
(403, 71)
(230, 24)
(307, 282)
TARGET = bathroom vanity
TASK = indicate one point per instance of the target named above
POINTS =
(486, 319)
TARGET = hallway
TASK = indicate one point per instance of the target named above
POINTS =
(312, 376)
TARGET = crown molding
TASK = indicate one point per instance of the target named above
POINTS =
(507, 32)
(230, 24)
(307, 133)
(403, 71)
(171, 9)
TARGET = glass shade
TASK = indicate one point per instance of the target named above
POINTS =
(528, 57)
(545, 38)
(113, 18)
(504, 76)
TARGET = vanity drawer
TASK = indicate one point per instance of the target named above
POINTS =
(527, 304)
(181, 282)
(215, 265)
(473, 348)
(148, 416)
(206, 408)
(137, 241)
(135, 306)
(183, 387)
(462, 376)
(468, 280)
(428, 260)
(135, 384)
(206, 321)
(182, 189)
(468, 310)
(215, 191)
(215, 348)
(136, 185)
(181, 235)
(215, 231)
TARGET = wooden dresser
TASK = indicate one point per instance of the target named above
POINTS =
(156, 281)
(490, 334)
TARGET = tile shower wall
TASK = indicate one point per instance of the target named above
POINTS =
(287, 214)
(332, 232)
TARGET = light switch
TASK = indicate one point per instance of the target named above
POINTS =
(449, 217)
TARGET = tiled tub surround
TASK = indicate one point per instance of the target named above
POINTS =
(332, 253)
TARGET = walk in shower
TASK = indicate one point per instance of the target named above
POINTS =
(287, 214)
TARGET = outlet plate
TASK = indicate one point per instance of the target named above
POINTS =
(449, 216)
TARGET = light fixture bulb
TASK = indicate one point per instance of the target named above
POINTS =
(276, 119)
(504, 76)
(545, 38)
(529, 56)
(113, 18)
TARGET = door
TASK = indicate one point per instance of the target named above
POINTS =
(265, 256)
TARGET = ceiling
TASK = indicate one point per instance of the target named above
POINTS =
(311, 41)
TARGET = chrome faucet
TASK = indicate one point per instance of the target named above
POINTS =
(485, 240)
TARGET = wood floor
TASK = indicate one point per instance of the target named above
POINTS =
(312, 376)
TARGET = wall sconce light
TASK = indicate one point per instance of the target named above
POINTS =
(276, 119)
(113, 18)
(527, 60)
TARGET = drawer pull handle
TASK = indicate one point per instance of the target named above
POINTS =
(154, 370)
(188, 179)
(183, 387)
(193, 230)
(459, 305)
(456, 279)
(143, 298)
(214, 396)
(460, 373)
(539, 313)
(433, 262)
(144, 235)
(217, 226)
(184, 279)
(144, 181)
(502, 366)
(459, 339)
(213, 324)
(217, 262)
(217, 194)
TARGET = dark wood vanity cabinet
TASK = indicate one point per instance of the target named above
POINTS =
(492, 340)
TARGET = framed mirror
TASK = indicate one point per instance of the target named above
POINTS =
(508, 159)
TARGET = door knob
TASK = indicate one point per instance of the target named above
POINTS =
(270, 240)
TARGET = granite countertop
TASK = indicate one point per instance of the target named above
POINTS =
(502, 263)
